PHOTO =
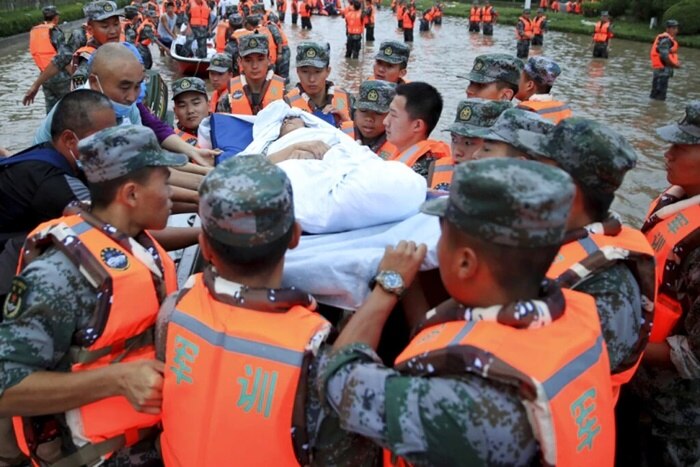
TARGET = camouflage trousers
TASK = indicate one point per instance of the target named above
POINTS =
(523, 48)
(55, 88)
(201, 34)
(600, 50)
(659, 84)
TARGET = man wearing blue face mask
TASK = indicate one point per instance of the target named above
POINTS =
(117, 73)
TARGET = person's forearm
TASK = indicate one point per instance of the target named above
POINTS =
(184, 208)
(365, 327)
(45, 392)
(176, 144)
(195, 169)
(175, 238)
(183, 195)
(49, 72)
(658, 355)
(188, 180)
(281, 155)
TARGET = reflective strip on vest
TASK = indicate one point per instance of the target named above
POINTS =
(554, 111)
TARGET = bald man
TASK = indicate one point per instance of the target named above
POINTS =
(117, 73)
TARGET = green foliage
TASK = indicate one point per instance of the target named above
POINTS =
(646, 9)
(591, 9)
(687, 13)
(615, 7)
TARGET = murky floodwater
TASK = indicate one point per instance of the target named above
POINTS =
(614, 91)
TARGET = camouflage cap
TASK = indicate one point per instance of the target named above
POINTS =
(221, 63)
(189, 84)
(253, 44)
(507, 201)
(393, 52)
(687, 131)
(315, 54)
(591, 152)
(253, 19)
(375, 95)
(672, 23)
(121, 150)
(246, 201)
(542, 70)
(490, 68)
(258, 8)
(506, 128)
(604, 13)
(236, 19)
(50, 11)
(100, 10)
(130, 11)
(476, 114)
(273, 18)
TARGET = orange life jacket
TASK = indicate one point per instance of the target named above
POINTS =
(399, 12)
(83, 53)
(295, 6)
(271, 44)
(240, 99)
(199, 14)
(537, 22)
(475, 14)
(382, 147)
(188, 138)
(555, 5)
(306, 8)
(577, 8)
(561, 369)
(238, 33)
(640, 262)
(221, 39)
(665, 237)
(487, 14)
(353, 20)
(369, 19)
(544, 4)
(602, 32)
(411, 155)
(570, 7)
(527, 29)
(551, 110)
(234, 373)
(122, 320)
(656, 56)
(442, 174)
(282, 6)
(40, 45)
(146, 23)
(213, 102)
(408, 18)
(295, 98)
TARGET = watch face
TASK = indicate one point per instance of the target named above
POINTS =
(392, 280)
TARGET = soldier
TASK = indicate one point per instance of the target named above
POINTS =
(220, 75)
(524, 32)
(48, 47)
(198, 16)
(668, 377)
(475, 17)
(191, 107)
(235, 22)
(664, 59)
(391, 62)
(284, 54)
(465, 389)
(314, 93)
(536, 81)
(240, 299)
(75, 333)
(602, 33)
(489, 16)
(539, 27)
(371, 108)
(354, 26)
(494, 76)
(257, 85)
(500, 139)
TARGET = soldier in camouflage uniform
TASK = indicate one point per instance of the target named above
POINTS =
(494, 76)
(534, 90)
(191, 106)
(371, 108)
(473, 115)
(235, 22)
(245, 277)
(500, 139)
(104, 25)
(664, 60)
(669, 379)
(391, 62)
(53, 299)
(433, 415)
(284, 53)
(54, 78)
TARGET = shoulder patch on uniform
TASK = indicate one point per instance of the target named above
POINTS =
(15, 298)
(114, 259)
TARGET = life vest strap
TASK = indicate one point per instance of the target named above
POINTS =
(84, 356)
(90, 453)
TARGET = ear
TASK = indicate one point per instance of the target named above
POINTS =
(402, 72)
(296, 236)
(89, 29)
(466, 263)
(419, 126)
(204, 248)
(507, 94)
(128, 194)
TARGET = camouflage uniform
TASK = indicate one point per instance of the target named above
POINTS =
(51, 298)
(672, 396)
(489, 68)
(466, 419)
(182, 86)
(374, 96)
(235, 22)
(538, 39)
(523, 46)
(248, 44)
(600, 49)
(59, 85)
(201, 33)
(659, 84)
(96, 11)
(248, 190)
(474, 115)
(284, 54)
(505, 129)
(394, 52)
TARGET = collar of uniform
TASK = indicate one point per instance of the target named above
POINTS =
(541, 98)
(525, 314)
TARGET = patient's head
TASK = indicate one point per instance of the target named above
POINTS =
(290, 124)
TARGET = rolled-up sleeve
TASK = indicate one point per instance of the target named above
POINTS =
(161, 129)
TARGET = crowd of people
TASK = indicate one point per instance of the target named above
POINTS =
(549, 333)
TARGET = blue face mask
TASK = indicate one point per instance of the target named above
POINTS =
(122, 111)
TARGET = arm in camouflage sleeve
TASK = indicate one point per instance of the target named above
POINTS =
(664, 49)
(685, 349)
(63, 57)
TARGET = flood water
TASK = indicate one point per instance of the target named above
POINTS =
(614, 91)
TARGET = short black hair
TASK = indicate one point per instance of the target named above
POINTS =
(103, 193)
(423, 102)
(597, 205)
(500, 84)
(256, 259)
(75, 110)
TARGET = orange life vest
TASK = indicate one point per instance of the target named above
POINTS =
(221, 39)
(271, 44)
(665, 237)
(146, 23)
(634, 241)
(408, 18)
(238, 33)
(234, 373)
(487, 14)
(442, 174)
(382, 147)
(556, 6)
(527, 29)
(83, 53)
(295, 98)
(577, 8)
(240, 99)
(199, 14)
(188, 138)
(551, 110)
(544, 4)
(656, 56)
(295, 6)
(353, 20)
(370, 18)
(602, 32)
(124, 320)
(40, 45)
(475, 14)
(399, 12)
(411, 155)
(561, 369)
(282, 6)
(306, 8)
(537, 22)
(215, 96)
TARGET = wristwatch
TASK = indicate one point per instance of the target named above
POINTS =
(390, 281)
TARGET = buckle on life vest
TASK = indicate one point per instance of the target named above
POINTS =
(84, 356)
